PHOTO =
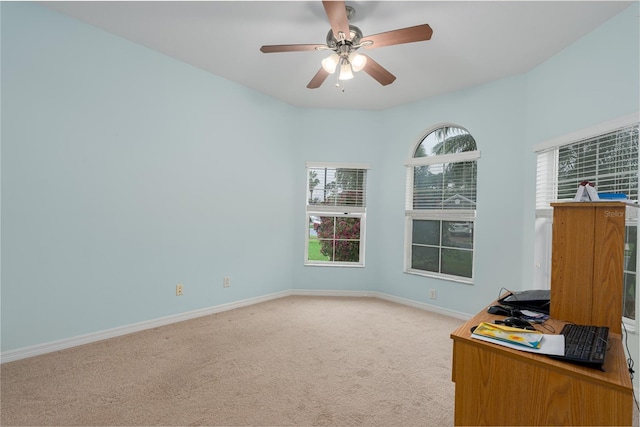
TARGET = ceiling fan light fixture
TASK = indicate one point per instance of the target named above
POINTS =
(346, 40)
(345, 70)
(330, 63)
(357, 61)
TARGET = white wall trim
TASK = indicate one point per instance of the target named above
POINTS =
(387, 297)
(323, 293)
(423, 306)
(37, 350)
(338, 165)
(600, 128)
(50, 347)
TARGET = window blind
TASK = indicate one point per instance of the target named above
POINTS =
(607, 156)
(441, 186)
(609, 160)
(337, 188)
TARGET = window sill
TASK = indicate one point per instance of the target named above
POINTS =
(446, 277)
(332, 264)
(629, 327)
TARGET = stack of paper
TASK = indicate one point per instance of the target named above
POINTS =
(520, 339)
(509, 334)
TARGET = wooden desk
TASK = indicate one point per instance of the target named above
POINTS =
(496, 385)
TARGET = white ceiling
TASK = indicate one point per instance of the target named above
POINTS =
(474, 42)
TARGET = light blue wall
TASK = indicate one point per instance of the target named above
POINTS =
(337, 136)
(493, 114)
(594, 80)
(125, 172)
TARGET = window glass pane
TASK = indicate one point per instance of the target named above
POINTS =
(457, 262)
(428, 253)
(314, 223)
(347, 251)
(629, 297)
(458, 234)
(338, 238)
(426, 232)
(630, 272)
(314, 248)
(347, 228)
(630, 248)
(446, 140)
(425, 258)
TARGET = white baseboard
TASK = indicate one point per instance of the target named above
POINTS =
(36, 350)
(323, 293)
(422, 306)
(387, 297)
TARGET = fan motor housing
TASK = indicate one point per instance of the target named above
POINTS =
(354, 39)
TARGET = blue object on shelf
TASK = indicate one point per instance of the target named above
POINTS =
(612, 196)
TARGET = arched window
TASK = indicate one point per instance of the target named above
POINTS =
(440, 206)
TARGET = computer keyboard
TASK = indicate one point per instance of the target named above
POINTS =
(585, 344)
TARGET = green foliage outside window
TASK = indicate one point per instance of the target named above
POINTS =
(336, 236)
(339, 238)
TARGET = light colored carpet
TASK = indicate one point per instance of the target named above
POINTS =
(292, 361)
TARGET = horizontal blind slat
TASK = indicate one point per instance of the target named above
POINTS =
(449, 186)
(609, 161)
(331, 186)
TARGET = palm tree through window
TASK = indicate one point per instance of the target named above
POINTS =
(441, 204)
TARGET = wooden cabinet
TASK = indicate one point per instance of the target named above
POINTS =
(500, 386)
(496, 385)
(587, 257)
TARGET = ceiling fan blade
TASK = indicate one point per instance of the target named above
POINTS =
(378, 72)
(274, 48)
(318, 79)
(404, 35)
(337, 14)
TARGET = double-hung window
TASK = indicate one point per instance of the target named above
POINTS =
(440, 205)
(336, 214)
(606, 155)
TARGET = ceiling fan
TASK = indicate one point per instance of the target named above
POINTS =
(345, 39)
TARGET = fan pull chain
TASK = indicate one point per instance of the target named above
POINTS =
(339, 83)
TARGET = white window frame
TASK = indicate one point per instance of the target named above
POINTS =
(337, 211)
(546, 189)
(462, 215)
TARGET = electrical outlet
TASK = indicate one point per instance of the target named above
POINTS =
(226, 282)
(179, 289)
(433, 293)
